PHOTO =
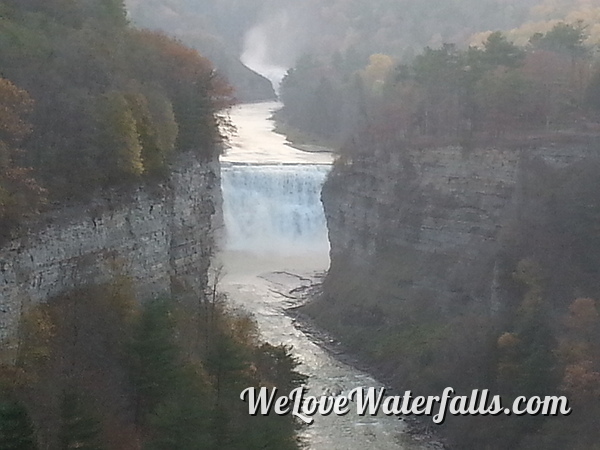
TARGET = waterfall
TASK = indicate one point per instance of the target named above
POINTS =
(274, 208)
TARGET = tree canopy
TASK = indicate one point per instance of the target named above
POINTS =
(93, 102)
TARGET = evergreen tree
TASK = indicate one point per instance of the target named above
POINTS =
(16, 429)
(154, 356)
(182, 420)
(79, 429)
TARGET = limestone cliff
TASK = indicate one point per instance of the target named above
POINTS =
(405, 222)
(160, 237)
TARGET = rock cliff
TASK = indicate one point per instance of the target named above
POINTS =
(404, 222)
(161, 237)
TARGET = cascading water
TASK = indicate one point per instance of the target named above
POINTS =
(274, 208)
(271, 191)
(277, 240)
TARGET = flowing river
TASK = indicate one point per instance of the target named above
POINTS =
(276, 242)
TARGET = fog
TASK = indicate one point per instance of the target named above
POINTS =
(269, 36)
(461, 210)
(258, 51)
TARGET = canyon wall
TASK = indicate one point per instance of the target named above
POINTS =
(160, 237)
(406, 222)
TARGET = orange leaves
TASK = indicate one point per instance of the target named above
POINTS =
(20, 194)
(581, 382)
(583, 315)
(508, 342)
(580, 351)
(186, 66)
(183, 62)
(15, 103)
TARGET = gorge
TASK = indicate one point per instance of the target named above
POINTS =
(275, 245)
(417, 236)
(439, 253)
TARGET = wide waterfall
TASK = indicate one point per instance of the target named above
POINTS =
(274, 208)
(277, 243)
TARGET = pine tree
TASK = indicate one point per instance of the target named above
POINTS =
(79, 429)
(16, 429)
(154, 356)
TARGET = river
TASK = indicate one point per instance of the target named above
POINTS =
(277, 241)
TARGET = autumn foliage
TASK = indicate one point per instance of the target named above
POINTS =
(20, 195)
(97, 370)
(111, 106)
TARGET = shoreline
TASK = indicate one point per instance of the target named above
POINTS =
(418, 429)
(300, 140)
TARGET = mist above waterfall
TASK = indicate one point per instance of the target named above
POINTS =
(272, 46)
(274, 208)
(256, 56)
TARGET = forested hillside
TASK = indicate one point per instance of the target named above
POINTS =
(557, 39)
(331, 45)
(96, 370)
(89, 103)
(463, 216)
(215, 29)
(91, 107)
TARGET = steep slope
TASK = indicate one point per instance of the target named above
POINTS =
(439, 253)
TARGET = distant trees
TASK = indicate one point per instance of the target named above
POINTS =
(526, 360)
(451, 94)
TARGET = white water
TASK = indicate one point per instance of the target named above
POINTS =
(271, 191)
(274, 209)
(276, 242)
(256, 143)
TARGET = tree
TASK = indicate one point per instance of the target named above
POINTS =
(552, 93)
(440, 74)
(16, 428)
(109, 12)
(196, 90)
(498, 51)
(156, 129)
(580, 352)
(526, 359)
(279, 367)
(377, 71)
(182, 419)
(79, 429)
(119, 138)
(501, 98)
(20, 194)
(154, 356)
(562, 38)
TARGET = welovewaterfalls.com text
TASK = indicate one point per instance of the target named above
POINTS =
(372, 401)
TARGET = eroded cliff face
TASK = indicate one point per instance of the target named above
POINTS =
(465, 269)
(162, 238)
(426, 222)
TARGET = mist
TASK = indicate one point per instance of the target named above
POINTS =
(273, 45)
(256, 56)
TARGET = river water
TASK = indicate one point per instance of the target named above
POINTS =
(276, 242)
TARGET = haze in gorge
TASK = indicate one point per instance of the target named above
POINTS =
(203, 197)
(275, 245)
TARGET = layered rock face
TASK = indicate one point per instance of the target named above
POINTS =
(406, 222)
(161, 237)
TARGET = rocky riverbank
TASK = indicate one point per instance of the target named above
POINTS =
(420, 430)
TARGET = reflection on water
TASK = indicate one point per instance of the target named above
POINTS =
(256, 143)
